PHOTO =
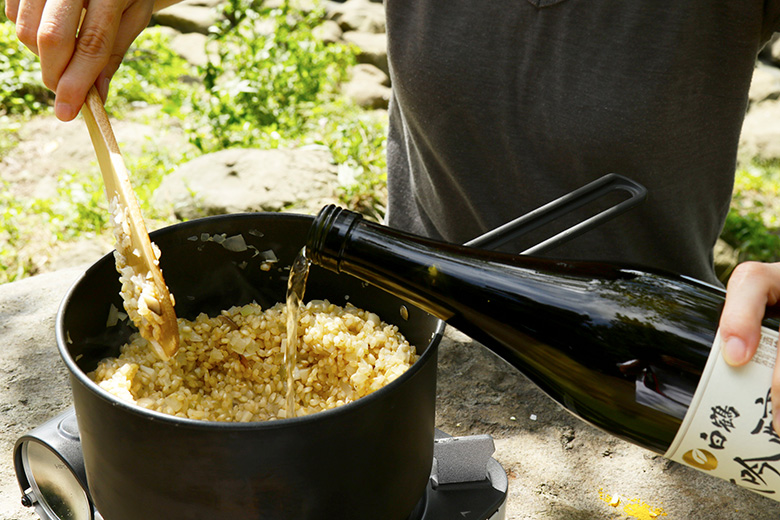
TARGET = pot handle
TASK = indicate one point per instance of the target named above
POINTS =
(559, 207)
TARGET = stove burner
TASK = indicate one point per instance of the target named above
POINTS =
(466, 482)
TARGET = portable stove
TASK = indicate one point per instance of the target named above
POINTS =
(466, 482)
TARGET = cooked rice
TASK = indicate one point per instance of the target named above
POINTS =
(140, 296)
(229, 367)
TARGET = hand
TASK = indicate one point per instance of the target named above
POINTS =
(72, 63)
(752, 287)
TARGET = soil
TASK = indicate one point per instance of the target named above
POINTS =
(48, 148)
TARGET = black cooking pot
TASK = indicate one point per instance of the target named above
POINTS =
(368, 459)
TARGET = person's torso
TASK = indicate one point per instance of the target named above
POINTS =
(501, 106)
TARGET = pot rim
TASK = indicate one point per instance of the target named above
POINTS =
(61, 336)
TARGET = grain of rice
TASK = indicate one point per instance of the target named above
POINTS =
(229, 367)
(140, 296)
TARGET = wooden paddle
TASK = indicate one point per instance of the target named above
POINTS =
(144, 292)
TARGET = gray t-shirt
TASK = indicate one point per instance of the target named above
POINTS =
(501, 106)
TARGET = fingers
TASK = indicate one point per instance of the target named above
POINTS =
(93, 48)
(73, 58)
(134, 19)
(106, 33)
(56, 38)
(11, 9)
(27, 17)
(752, 287)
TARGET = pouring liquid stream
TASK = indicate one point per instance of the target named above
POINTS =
(296, 287)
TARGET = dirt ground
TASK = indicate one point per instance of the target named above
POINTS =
(558, 467)
(48, 148)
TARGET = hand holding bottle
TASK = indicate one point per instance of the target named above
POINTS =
(753, 286)
(76, 54)
(634, 352)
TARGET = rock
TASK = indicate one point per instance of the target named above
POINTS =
(34, 164)
(771, 51)
(188, 17)
(368, 72)
(372, 48)
(48, 147)
(80, 253)
(239, 180)
(726, 259)
(765, 84)
(33, 379)
(558, 467)
(328, 32)
(368, 87)
(358, 15)
(191, 47)
(761, 131)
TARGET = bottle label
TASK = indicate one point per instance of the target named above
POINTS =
(727, 431)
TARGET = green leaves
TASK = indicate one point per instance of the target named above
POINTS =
(154, 74)
(748, 234)
(272, 83)
(751, 225)
(268, 78)
(151, 73)
(21, 90)
(269, 82)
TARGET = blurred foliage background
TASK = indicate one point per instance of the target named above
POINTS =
(262, 89)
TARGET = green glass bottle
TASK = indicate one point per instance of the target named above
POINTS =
(622, 348)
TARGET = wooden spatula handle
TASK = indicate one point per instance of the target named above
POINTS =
(119, 190)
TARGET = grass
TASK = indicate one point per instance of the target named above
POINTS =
(33, 228)
(21, 90)
(285, 85)
(752, 225)
(9, 126)
(260, 90)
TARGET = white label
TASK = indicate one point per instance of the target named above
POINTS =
(727, 431)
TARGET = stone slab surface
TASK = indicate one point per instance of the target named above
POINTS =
(559, 468)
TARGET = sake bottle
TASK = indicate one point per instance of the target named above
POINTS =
(634, 352)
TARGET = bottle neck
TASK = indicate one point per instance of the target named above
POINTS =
(329, 244)
(328, 235)
(554, 321)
